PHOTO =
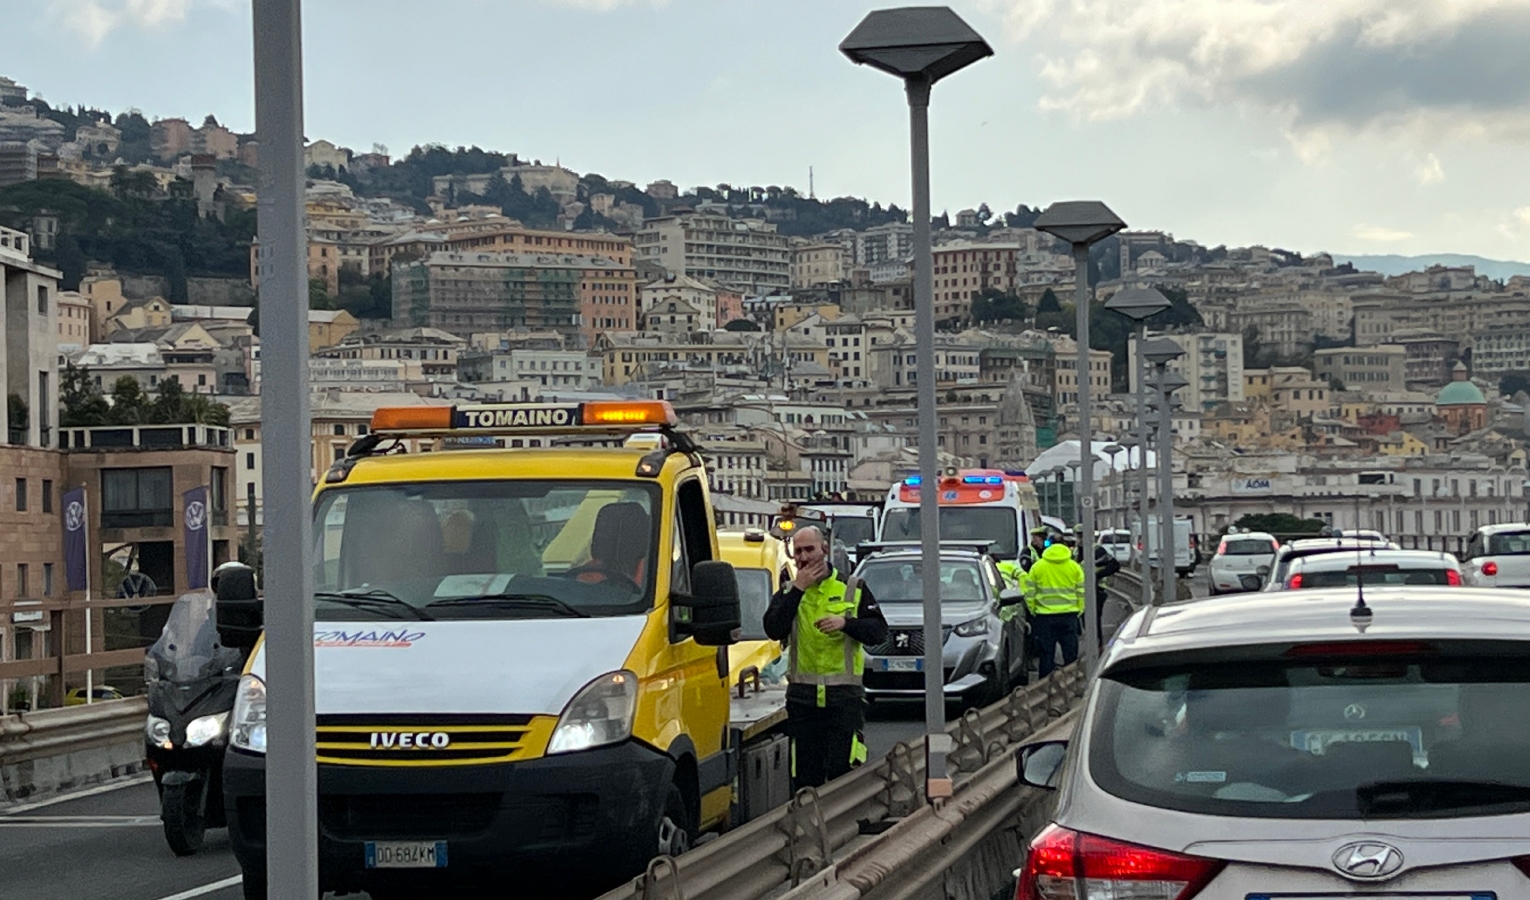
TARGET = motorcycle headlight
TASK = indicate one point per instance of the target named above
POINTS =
(600, 714)
(150, 669)
(973, 628)
(157, 731)
(206, 729)
(248, 729)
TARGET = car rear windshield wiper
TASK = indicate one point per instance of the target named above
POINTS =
(1435, 794)
(373, 598)
(513, 601)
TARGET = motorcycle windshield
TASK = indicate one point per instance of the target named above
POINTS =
(188, 650)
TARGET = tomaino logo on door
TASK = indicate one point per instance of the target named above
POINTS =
(369, 638)
(410, 740)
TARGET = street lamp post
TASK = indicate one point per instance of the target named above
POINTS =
(1112, 479)
(1160, 354)
(292, 863)
(1073, 467)
(922, 45)
(1139, 305)
(1082, 223)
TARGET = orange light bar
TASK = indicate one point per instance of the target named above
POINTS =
(412, 418)
(633, 412)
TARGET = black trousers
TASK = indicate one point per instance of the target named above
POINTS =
(1050, 632)
(824, 738)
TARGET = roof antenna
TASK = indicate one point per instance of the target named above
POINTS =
(1360, 614)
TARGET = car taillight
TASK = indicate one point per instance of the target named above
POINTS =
(1067, 865)
(1452, 577)
(1294, 583)
(1222, 549)
(1490, 568)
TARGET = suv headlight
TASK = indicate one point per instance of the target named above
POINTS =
(600, 714)
(248, 731)
(206, 730)
(973, 627)
(157, 731)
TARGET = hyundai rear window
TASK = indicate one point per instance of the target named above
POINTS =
(1373, 737)
(1249, 547)
(1509, 543)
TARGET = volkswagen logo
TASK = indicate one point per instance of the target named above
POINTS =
(1368, 860)
(196, 515)
(1354, 712)
(74, 516)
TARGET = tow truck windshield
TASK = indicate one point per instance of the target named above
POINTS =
(485, 550)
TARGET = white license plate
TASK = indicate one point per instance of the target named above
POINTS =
(1318, 740)
(406, 854)
(902, 664)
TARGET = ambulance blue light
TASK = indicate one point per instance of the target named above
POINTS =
(912, 479)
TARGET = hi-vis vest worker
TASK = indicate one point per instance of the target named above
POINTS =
(1054, 593)
(825, 622)
(1012, 572)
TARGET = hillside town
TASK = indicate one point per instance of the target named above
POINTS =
(1337, 394)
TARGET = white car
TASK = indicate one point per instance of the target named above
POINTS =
(1498, 556)
(1297, 745)
(1373, 568)
(1118, 542)
(1242, 561)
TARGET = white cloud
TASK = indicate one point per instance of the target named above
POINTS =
(1430, 171)
(94, 20)
(1345, 64)
(1379, 235)
(603, 5)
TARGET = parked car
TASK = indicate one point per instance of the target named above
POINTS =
(1267, 747)
(1242, 560)
(1118, 541)
(1375, 568)
(984, 656)
(1294, 550)
(1498, 556)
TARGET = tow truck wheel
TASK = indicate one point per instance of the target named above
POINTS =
(674, 833)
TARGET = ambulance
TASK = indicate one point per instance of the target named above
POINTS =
(521, 657)
(992, 505)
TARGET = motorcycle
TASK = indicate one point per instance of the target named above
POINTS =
(191, 681)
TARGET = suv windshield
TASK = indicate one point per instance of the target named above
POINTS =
(485, 550)
(1248, 547)
(1377, 738)
(972, 523)
(893, 581)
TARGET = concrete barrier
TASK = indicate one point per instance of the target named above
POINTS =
(56, 750)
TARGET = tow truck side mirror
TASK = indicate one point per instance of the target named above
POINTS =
(712, 613)
(240, 610)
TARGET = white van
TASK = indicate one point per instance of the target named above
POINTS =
(1185, 558)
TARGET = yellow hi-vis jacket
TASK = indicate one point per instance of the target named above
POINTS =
(1055, 583)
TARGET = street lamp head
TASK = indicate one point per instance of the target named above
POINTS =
(1079, 222)
(916, 43)
(1113, 449)
(1171, 382)
(1138, 303)
(1159, 351)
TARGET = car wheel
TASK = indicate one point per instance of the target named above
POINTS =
(673, 833)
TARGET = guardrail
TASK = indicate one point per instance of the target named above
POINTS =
(806, 847)
(56, 749)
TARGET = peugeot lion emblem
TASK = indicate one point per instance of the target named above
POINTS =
(902, 639)
(1368, 860)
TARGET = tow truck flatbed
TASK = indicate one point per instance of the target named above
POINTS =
(761, 710)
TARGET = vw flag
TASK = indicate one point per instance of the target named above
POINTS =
(76, 566)
(194, 504)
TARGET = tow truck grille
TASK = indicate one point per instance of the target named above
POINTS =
(430, 740)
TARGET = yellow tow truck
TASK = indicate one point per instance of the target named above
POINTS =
(522, 657)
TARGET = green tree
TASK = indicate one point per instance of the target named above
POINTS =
(741, 325)
(130, 406)
(318, 295)
(1280, 523)
(80, 401)
(71, 262)
(1048, 303)
(994, 305)
(1513, 382)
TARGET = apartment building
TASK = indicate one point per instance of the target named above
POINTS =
(1213, 364)
(29, 353)
(1381, 367)
(744, 254)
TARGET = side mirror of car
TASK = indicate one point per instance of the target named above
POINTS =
(711, 613)
(1039, 764)
(1010, 597)
(239, 608)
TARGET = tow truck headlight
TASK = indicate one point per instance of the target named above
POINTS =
(600, 714)
(248, 731)
(157, 731)
(205, 729)
(973, 627)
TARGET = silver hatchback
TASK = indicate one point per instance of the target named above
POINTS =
(1298, 745)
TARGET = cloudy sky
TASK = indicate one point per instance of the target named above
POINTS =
(1354, 126)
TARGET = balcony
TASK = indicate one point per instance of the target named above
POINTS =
(143, 437)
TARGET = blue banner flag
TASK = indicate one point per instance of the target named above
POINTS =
(194, 520)
(76, 563)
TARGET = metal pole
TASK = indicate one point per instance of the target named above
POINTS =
(1142, 468)
(1083, 484)
(292, 864)
(1166, 548)
(937, 783)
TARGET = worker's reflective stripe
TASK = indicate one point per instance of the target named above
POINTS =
(857, 750)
